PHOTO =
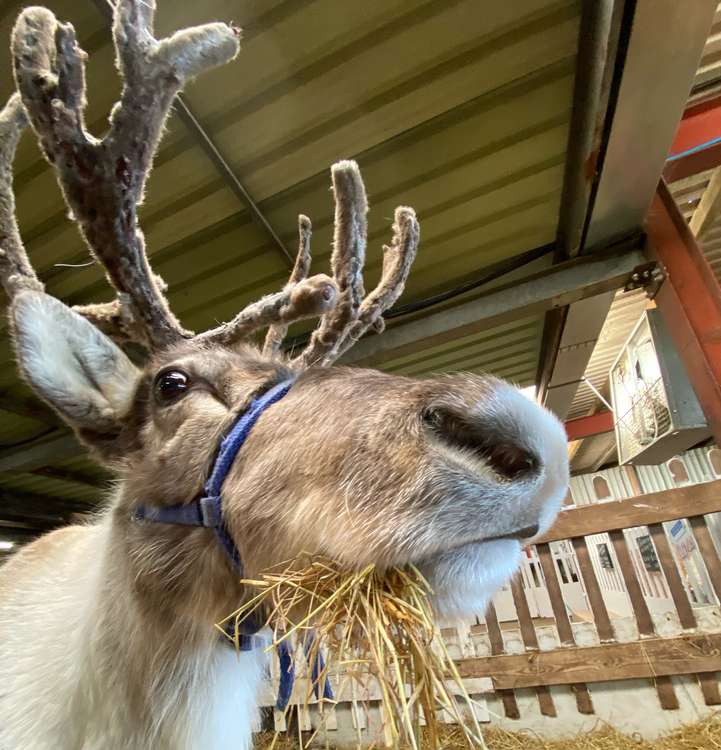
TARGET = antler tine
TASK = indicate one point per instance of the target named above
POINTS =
(103, 180)
(277, 332)
(308, 298)
(347, 260)
(398, 258)
(16, 273)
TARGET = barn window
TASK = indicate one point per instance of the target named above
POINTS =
(648, 554)
(604, 556)
(678, 471)
(601, 488)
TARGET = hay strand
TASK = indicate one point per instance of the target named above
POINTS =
(379, 622)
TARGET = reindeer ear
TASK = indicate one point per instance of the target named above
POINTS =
(78, 370)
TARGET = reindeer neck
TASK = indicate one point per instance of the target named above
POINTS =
(155, 658)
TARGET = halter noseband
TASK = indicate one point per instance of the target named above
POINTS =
(207, 512)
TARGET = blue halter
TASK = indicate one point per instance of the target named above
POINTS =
(207, 511)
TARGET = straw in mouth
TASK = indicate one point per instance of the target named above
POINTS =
(371, 624)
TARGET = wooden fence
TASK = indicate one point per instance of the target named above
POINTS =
(692, 651)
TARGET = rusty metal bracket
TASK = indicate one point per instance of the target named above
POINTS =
(649, 276)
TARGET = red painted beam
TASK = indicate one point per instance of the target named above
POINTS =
(697, 144)
(699, 125)
(689, 300)
(594, 424)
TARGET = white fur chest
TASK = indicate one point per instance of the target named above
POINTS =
(226, 709)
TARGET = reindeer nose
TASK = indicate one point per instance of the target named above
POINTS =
(508, 458)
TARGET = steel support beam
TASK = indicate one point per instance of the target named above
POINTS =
(30, 409)
(560, 285)
(597, 44)
(594, 424)
(645, 119)
(689, 300)
(40, 453)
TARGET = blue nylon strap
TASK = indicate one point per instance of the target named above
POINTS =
(207, 512)
(287, 675)
(317, 669)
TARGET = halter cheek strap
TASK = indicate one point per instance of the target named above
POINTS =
(207, 512)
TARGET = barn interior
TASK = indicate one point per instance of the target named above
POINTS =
(564, 159)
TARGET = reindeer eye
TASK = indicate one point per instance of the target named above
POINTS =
(170, 386)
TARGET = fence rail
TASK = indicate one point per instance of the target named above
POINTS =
(651, 656)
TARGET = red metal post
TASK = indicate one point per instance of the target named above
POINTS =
(689, 300)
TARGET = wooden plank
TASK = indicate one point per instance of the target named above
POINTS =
(709, 688)
(584, 704)
(664, 686)
(508, 697)
(633, 587)
(649, 658)
(654, 507)
(528, 631)
(666, 693)
(563, 623)
(530, 641)
(708, 552)
(673, 578)
(593, 591)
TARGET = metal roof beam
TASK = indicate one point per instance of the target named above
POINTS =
(30, 409)
(40, 453)
(560, 285)
(645, 118)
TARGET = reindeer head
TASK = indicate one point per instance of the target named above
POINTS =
(452, 473)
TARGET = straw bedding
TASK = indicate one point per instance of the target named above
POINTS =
(705, 735)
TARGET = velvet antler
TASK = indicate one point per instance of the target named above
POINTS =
(103, 179)
(355, 313)
(103, 182)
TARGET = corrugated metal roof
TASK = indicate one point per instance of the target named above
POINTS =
(461, 114)
(708, 75)
(626, 309)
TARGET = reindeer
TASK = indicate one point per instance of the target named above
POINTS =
(107, 635)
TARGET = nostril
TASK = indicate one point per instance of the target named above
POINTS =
(512, 461)
(507, 459)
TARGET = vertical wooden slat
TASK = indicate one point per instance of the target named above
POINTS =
(707, 680)
(508, 697)
(673, 578)
(633, 587)
(584, 704)
(530, 641)
(664, 686)
(563, 623)
(708, 552)
(593, 591)
(708, 683)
